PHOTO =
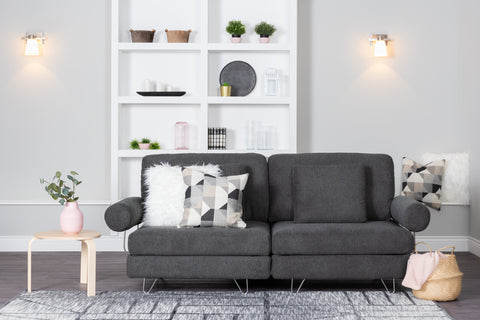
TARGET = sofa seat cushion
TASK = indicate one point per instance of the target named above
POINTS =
(254, 240)
(372, 237)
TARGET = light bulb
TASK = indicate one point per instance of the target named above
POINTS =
(380, 49)
(31, 48)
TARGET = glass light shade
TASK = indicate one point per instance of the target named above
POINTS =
(31, 48)
(380, 49)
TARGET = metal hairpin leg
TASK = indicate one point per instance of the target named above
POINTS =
(124, 241)
(151, 287)
(386, 288)
(299, 287)
(238, 286)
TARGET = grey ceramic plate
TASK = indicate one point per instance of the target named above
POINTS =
(240, 75)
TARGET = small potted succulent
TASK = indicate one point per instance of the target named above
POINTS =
(225, 90)
(144, 144)
(265, 30)
(236, 28)
(71, 218)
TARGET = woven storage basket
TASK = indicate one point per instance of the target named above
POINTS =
(142, 35)
(445, 282)
(177, 35)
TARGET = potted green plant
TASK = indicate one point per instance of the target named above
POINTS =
(144, 144)
(134, 144)
(265, 30)
(236, 28)
(225, 90)
(71, 218)
(155, 145)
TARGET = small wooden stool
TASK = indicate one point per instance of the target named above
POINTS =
(88, 260)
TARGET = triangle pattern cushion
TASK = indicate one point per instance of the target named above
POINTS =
(219, 199)
(423, 182)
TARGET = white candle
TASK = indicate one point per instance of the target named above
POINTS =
(148, 85)
(160, 86)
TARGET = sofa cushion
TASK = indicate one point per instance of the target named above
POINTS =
(256, 191)
(372, 237)
(213, 201)
(329, 193)
(423, 182)
(378, 176)
(254, 240)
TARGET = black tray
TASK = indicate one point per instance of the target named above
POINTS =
(161, 93)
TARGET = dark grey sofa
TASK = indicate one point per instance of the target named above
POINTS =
(273, 244)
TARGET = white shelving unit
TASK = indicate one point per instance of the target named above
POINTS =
(194, 67)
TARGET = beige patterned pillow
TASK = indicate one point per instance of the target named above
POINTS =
(423, 182)
(213, 201)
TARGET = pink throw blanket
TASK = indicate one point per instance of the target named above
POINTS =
(419, 268)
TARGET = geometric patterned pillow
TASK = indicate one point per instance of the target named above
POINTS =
(213, 201)
(423, 182)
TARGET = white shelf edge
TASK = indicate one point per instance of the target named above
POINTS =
(127, 153)
(249, 100)
(127, 46)
(249, 47)
(158, 100)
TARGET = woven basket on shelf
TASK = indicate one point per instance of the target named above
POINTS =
(142, 35)
(177, 35)
(445, 282)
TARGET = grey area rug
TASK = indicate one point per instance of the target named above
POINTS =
(221, 305)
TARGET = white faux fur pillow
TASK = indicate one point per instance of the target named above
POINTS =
(166, 193)
(455, 182)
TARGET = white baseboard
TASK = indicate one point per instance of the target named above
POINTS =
(461, 243)
(20, 243)
(474, 246)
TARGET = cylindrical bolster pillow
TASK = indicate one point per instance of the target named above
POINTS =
(410, 213)
(124, 214)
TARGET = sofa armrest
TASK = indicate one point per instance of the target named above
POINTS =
(124, 214)
(410, 213)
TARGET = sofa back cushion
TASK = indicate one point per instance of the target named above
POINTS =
(255, 200)
(379, 180)
(331, 193)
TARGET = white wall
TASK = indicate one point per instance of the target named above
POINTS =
(422, 99)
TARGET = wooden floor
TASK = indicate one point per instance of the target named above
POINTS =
(61, 271)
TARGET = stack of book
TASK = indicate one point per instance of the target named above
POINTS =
(217, 138)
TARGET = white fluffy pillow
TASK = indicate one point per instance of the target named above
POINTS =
(455, 182)
(166, 193)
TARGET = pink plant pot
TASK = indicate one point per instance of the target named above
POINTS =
(71, 218)
(264, 39)
(236, 39)
(144, 146)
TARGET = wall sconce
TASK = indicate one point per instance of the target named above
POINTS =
(32, 43)
(380, 41)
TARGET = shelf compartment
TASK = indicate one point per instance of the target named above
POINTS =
(234, 117)
(260, 61)
(125, 100)
(249, 100)
(170, 69)
(160, 15)
(275, 47)
(158, 124)
(177, 47)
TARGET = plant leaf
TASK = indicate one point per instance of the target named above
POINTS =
(62, 201)
(58, 174)
(70, 177)
(79, 182)
(74, 173)
(65, 191)
(75, 199)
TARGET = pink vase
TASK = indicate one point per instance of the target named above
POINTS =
(264, 39)
(236, 39)
(71, 218)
